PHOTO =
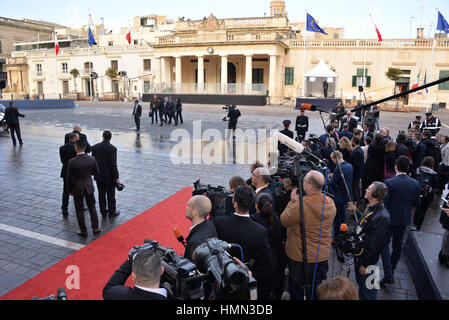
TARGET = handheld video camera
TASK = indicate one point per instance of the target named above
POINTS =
(180, 278)
(220, 198)
(348, 243)
(231, 280)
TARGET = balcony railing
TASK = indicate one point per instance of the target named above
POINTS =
(210, 88)
(208, 38)
(237, 23)
(371, 43)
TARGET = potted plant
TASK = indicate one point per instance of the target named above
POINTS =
(75, 74)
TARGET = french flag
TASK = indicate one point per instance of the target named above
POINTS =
(379, 36)
(128, 35)
(56, 44)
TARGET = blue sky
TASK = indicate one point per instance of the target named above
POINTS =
(392, 16)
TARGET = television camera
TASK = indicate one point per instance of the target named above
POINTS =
(220, 198)
(217, 276)
(349, 242)
(60, 295)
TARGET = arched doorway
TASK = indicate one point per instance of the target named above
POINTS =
(232, 73)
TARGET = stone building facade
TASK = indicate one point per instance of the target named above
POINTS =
(262, 55)
(14, 31)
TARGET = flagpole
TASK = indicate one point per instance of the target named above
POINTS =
(56, 67)
(431, 67)
(364, 59)
(304, 60)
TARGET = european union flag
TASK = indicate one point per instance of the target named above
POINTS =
(313, 26)
(91, 40)
(442, 23)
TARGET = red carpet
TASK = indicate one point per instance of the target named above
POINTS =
(98, 260)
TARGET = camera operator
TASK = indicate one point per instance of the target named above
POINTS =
(146, 271)
(197, 210)
(233, 115)
(373, 227)
(256, 164)
(239, 228)
(261, 179)
(313, 211)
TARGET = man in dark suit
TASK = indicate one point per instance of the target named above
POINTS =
(145, 270)
(160, 110)
(403, 194)
(79, 184)
(77, 129)
(106, 156)
(66, 153)
(357, 161)
(338, 189)
(366, 132)
(283, 149)
(12, 115)
(197, 210)
(302, 125)
(345, 132)
(352, 122)
(261, 179)
(171, 110)
(239, 228)
(166, 109)
(137, 114)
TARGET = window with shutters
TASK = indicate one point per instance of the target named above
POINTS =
(444, 85)
(147, 64)
(39, 70)
(289, 76)
(357, 80)
(0, 47)
(114, 64)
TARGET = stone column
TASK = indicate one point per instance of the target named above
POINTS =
(200, 74)
(249, 73)
(273, 75)
(178, 70)
(163, 70)
(224, 74)
(156, 70)
(178, 76)
(200, 70)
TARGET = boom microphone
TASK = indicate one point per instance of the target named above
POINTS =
(292, 144)
(179, 236)
(309, 107)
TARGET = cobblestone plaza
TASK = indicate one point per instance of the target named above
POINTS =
(33, 233)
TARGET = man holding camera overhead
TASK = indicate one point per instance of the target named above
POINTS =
(233, 116)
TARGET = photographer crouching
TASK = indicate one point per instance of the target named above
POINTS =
(372, 231)
(319, 213)
(146, 270)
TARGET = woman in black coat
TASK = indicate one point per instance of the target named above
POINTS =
(374, 165)
(270, 288)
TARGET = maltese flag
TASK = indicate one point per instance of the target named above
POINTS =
(128, 35)
(379, 36)
(56, 44)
